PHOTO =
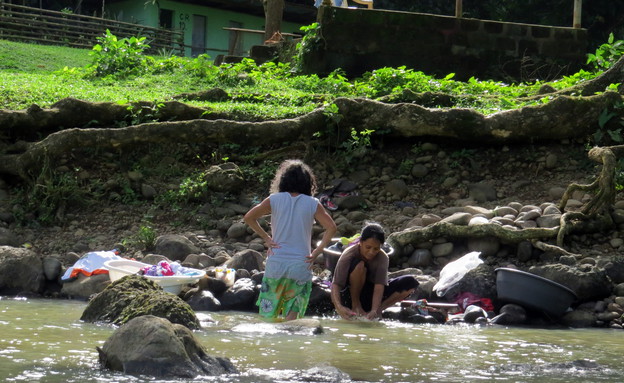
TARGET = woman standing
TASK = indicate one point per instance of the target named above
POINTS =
(287, 280)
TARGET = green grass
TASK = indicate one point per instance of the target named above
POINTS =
(43, 75)
(33, 58)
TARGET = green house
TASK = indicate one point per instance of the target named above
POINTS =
(213, 27)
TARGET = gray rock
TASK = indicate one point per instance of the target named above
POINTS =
(419, 170)
(134, 296)
(148, 191)
(569, 260)
(442, 249)
(148, 345)
(175, 247)
(616, 242)
(241, 296)
(458, 219)
(52, 268)
(618, 290)
(21, 271)
(579, 318)
(428, 219)
(551, 161)
(350, 202)
(588, 285)
(525, 251)
(420, 258)
(551, 209)
(204, 300)
(555, 193)
(488, 246)
(397, 188)
(8, 238)
(237, 230)
(246, 260)
(482, 192)
(478, 210)
(225, 177)
(618, 216)
(84, 287)
(549, 221)
(502, 211)
(514, 314)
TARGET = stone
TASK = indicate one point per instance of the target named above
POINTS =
(204, 300)
(238, 230)
(226, 177)
(551, 161)
(502, 211)
(442, 249)
(148, 191)
(247, 260)
(134, 296)
(488, 246)
(555, 193)
(420, 258)
(579, 318)
(482, 192)
(549, 221)
(458, 219)
(175, 247)
(21, 271)
(397, 188)
(8, 238)
(514, 314)
(84, 287)
(588, 285)
(241, 296)
(52, 268)
(153, 346)
(419, 171)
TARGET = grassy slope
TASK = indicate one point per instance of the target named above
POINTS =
(42, 75)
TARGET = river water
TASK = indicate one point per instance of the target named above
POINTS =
(45, 341)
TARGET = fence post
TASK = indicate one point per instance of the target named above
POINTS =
(576, 18)
(458, 8)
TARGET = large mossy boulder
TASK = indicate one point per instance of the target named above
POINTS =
(154, 346)
(134, 296)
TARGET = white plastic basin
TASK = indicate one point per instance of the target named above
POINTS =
(172, 284)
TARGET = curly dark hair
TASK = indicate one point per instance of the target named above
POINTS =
(294, 176)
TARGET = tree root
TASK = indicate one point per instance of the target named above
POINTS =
(453, 231)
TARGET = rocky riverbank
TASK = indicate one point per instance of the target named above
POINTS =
(402, 186)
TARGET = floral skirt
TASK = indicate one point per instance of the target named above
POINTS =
(280, 296)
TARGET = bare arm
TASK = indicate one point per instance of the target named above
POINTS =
(251, 219)
(343, 311)
(376, 303)
(327, 222)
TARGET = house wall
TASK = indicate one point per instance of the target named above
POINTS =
(217, 39)
(360, 40)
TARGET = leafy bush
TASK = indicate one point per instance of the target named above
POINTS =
(121, 57)
(607, 54)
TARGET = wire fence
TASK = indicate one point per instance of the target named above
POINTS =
(36, 25)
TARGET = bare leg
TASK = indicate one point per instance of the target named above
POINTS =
(395, 297)
(356, 283)
(292, 315)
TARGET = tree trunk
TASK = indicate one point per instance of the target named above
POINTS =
(273, 12)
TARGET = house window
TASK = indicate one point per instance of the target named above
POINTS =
(166, 18)
(236, 39)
